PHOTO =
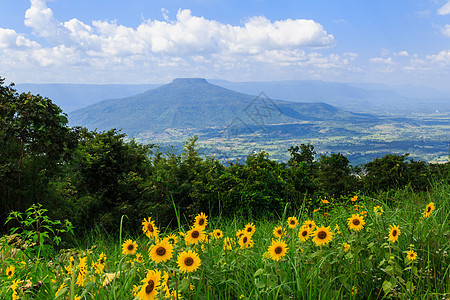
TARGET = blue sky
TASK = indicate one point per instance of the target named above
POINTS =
(143, 41)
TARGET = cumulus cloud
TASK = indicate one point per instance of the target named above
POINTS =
(445, 9)
(9, 38)
(446, 30)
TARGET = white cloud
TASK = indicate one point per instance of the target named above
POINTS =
(445, 9)
(446, 30)
(9, 38)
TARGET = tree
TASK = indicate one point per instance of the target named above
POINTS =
(35, 140)
(335, 175)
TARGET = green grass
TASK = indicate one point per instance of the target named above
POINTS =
(373, 268)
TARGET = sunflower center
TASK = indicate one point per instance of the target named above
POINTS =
(150, 286)
(304, 233)
(278, 250)
(356, 222)
(279, 231)
(188, 261)
(249, 229)
(322, 235)
(130, 247)
(161, 251)
(244, 240)
(394, 232)
(428, 208)
(292, 222)
(9, 273)
(150, 227)
(195, 234)
(201, 222)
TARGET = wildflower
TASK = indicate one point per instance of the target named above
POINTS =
(356, 222)
(194, 236)
(325, 201)
(322, 235)
(346, 247)
(304, 233)
(151, 285)
(245, 241)
(249, 229)
(354, 198)
(411, 255)
(172, 238)
(338, 230)
(109, 277)
(188, 261)
(354, 290)
(278, 232)
(217, 234)
(240, 233)
(227, 244)
(77, 297)
(325, 215)
(70, 266)
(316, 210)
(82, 272)
(394, 232)
(149, 228)
(10, 271)
(165, 284)
(139, 258)
(429, 209)
(292, 222)
(129, 247)
(161, 252)
(277, 250)
(60, 289)
(310, 223)
(201, 220)
(378, 210)
(14, 287)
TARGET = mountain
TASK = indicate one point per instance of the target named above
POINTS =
(71, 97)
(195, 104)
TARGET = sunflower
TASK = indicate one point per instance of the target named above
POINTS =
(304, 233)
(240, 233)
(171, 238)
(194, 236)
(249, 229)
(151, 282)
(149, 228)
(378, 210)
(129, 247)
(10, 271)
(429, 209)
(277, 250)
(188, 261)
(161, 252)
(346, 247)
(322, 235)
(217, 234)
(354, 198)
(356, 222)
(394, 232)
(310, 223)
(227, 244)
(201, 220)
(411, 255)
(292, 222)
(245, 241)
(278, 232)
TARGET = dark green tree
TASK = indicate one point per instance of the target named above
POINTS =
(335, 175)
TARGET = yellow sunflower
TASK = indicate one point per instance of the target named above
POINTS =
(356, 222)
(277, 250)
(201, 220)
(249, 229)
(378, 210)
(227, 244)
(10, 271)
(346, 247)
(292, 222)
(161, 252)
(217, 234)
(245, 241)
(129, 247)
(310, 223)
(194, 236)
(188, 261)
(240, 233)
(411, 255)
(304, 233)
(278, 232)
(394, 232)
(171, 238)
(149, 228)
(151, 285)
(322, 235)
(429, 209)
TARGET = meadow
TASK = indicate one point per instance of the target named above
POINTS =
(392, 245)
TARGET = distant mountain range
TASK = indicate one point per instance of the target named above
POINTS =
(195, 104)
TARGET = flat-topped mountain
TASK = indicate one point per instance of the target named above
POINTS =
(193, 103)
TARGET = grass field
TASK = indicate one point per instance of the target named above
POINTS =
(394, 245)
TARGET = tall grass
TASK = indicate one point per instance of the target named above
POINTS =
(373, 268)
